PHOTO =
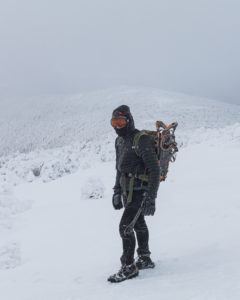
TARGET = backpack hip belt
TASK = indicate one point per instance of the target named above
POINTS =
(142, 177)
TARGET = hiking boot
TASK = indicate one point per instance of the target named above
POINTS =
(126, 272)
(145, 262)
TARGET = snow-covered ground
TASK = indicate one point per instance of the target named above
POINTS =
(59, 238)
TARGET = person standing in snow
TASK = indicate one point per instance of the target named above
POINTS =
(133, 191)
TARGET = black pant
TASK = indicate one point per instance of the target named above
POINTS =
(129, 240)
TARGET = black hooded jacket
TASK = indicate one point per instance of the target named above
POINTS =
(128, 162)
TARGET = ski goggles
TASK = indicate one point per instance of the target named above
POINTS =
(119, 122)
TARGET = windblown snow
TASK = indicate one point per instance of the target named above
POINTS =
(59, 232)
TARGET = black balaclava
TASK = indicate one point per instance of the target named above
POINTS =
(124, 110)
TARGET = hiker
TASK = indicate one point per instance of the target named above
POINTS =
(130, 187)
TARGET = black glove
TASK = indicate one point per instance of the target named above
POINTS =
(117, 201)
(148, 205)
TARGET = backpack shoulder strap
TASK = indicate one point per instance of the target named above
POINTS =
(136, 140)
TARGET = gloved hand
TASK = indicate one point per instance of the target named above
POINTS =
(117, 201)
(148, 205)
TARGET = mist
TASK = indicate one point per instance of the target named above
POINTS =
(59, 47)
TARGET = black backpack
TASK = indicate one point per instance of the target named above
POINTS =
(165, 145)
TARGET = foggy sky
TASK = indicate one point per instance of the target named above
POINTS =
(70, 46)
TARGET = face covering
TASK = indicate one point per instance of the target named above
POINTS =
(124, 111)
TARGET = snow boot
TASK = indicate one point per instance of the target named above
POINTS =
(144, 262)
(126, 272)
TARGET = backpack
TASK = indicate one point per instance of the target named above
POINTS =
(164, 142)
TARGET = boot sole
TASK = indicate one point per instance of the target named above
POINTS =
(118, 281)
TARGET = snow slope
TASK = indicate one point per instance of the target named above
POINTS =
(59, 135)
(59, 239)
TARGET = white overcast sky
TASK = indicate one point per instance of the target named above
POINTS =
(58, 46)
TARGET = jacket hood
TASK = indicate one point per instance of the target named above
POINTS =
(124, 110)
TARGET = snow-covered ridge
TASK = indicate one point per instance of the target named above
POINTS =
(49, 137)
(50, 122)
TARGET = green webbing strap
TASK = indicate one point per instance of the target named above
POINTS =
(124, 187)
(143, 177)
(123, 181)
(136, 140)
(130, 193)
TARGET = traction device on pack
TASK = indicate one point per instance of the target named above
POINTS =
(166, 146)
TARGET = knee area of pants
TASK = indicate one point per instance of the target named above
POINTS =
(121, 230)
(123, 234)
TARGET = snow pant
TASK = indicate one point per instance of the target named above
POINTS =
(140, 228)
